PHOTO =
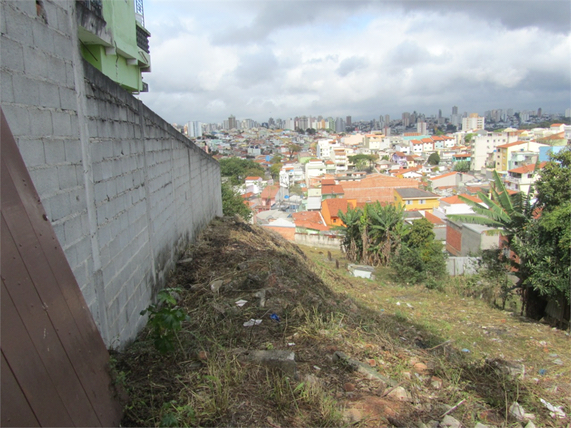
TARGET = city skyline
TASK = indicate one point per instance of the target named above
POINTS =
(276, 59)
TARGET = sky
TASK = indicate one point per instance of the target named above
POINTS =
(274, 58)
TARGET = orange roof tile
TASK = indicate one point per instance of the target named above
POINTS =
(432, 218)
(448, 174)
(527, 168)
(253, 178)
(270, 192)
(515, 143)
(327, 182)
(337, 204)
(335, 189)
(452, 200)
(376, 187)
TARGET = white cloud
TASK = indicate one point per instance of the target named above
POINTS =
(281, 59)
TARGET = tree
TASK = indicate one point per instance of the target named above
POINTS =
(233, 203)
(238, 169)
(275, 170)
(363, 162)
(462, 166)
(468, 137)
(421, 258)
(434, 159)
(545, 256)
(292, 150)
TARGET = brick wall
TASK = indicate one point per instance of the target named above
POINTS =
(453, 239)
(124, 191)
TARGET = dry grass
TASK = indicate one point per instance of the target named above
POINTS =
(323, 310)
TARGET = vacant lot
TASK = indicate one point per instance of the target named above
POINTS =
(367, 352)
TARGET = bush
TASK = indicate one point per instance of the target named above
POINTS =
(426, 264)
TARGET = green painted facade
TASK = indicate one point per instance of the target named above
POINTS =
(113, 49)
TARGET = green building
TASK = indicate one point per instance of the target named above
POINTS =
(115, 41)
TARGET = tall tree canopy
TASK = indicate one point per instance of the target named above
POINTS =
(238, 169)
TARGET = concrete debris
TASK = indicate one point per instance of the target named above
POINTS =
(343, 360)
(450, 422)
(352, 416)
(400, 394)
(252, 322)
(215, 285)
(276, 359)
(184, 261)
(262, 296)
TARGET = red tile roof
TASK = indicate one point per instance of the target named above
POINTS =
(309, 220)
(327, 182)
(335, 189)
(253, 178)
(432, 218)
(376, 187)
(452, 200)
(448, 174)
(270, 192)
(527, 168)
(515, 143)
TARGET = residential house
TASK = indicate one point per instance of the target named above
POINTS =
(458, 157)
(417, 146)
(414, 199)
(400, 158)
(449, 179)
(253, 184)
(485, 143)
(268, 196)
(438, 226)
(309, 222)
(282, 226)
(314, 168)
(520, 179)
(427, 145)
(332, 191)
(464, 239)
(330, 210)
(504, 152)
(376, 187)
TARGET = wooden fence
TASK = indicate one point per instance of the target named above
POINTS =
(54, 363)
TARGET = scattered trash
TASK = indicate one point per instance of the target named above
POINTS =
(215, 285)
(317, 367)
(252, 322)
(291, 344)
(519, 413)
(409, 305)
(542, 371)
(556, 411)
(275, 317)
(465, 350)
(241, 302)
(558, 361)
(398, 303)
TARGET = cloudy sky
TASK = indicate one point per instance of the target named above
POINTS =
(275, 58)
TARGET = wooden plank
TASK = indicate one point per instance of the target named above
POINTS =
(16, 411)
(49, 270)
(43, 334)
(31, 374)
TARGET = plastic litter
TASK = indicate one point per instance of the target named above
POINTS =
(542, 371)
(291, 344)
(556, 411)
(252, 322)
(465, 350)
(275, 317)
(409, 305)
(241, 302)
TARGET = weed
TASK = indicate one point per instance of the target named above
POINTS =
(165, 320)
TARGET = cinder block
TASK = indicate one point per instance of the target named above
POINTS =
(45, 181)
(41, 122)
(49, 95)
(11, 55)
(66, 176)
(61, 123)
(55, 70)
(27, 7)
(18, 23)
(59, 205)
(55, 151)
(68, 99)
(63, 19)
(6, 88)
(73, 230)
(32, 151)
(73, 151)
(43, 36)
(26, 91)
(70, 75)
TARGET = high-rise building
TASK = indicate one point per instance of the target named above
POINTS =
(406, 119)
(473, 122)
(455, 110)
(339, 125)
(232, 124)
(421, 128)
(539, 112)
(194, 129)
(348, 121)
(387, 120)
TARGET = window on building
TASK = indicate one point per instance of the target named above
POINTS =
(423, 201)
(409, 202)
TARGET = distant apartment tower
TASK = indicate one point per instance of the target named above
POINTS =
(339, 125)
(539, 112)
(194, 129)
(348, 121)
(455, 110)
(473, 122)
(421, 128)
(568, 112)
(406, 119)
(232, 123)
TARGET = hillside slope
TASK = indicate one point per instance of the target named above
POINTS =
(365, 353)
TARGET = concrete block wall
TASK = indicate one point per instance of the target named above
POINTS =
(124, 191)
